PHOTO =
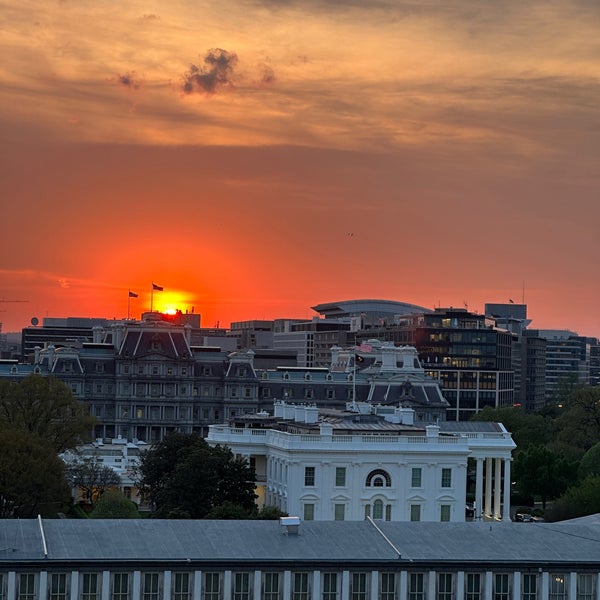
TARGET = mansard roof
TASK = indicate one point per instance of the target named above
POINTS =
(167, 343)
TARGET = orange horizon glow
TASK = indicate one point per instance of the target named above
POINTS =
(442, 155)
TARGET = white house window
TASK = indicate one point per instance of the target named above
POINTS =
(416, 475)
(378, 478)
(473, 586)
(445, 512)
(586, 588)
(309, 512)
(330, 587)
(300, 586)
(182, 589)
(120, 587)
(271, 586)
(501, 586)
(446, 478)
(415, 512)
(416, 586)
(241, 586)
(58, 586)
(340, 476)
(212, 586)
(359, 586)
(309, 476)
(26, 589)
(529, 587)
(89, 586)
(151, 586)
(339, 512)
(387, 586)
(445, 589)
(558, 586)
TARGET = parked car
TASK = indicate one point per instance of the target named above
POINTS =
(523, 518)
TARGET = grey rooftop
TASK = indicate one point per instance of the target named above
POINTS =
(204, 543)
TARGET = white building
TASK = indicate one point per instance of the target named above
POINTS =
(371, 461)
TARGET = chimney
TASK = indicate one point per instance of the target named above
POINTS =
(291, 524)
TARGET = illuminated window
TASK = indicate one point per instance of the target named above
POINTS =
(558, 586)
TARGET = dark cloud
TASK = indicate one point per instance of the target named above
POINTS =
(267, 75)
(129, 80)
(217, 72)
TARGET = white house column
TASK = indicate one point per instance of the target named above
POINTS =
(11, 586)
(374, 584)
(316, 585)
(516, 584)
(507, 486)
(572, 589)
(74, 585)
(197, 585)
(488, 487)
(167, 579)
(105, 585)
(256, 588)
(479, 489)
(404, 585)
(488, 588)
(287, 584)
(226, 594)
(43, 584)
(460, 585)
(136, 588)
(345, 585)
(431, 584)
(497, 482)
(545, 585)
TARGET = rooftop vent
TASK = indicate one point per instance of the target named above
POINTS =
(291, 524)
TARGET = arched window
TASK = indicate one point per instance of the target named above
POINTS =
(379, 478)
(378, 509)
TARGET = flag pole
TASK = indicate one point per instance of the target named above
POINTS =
(128, 304)
(152, 298)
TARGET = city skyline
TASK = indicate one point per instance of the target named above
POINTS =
(256, 159)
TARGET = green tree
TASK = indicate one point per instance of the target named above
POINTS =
(112, 504)
(45, 407)
(182, 475)
(579, 425)
(526, 428)
(590, 463)
(32, 477)
(541, 472)
(577, 501)
(91, 476)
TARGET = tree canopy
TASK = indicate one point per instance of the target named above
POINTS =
(112, 504)
(46, 408)
(91, 476)
(32, 477)
(540, 471)
(183, 477)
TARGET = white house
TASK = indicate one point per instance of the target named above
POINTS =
(326, 464)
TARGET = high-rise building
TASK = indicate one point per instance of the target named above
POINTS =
(469, 356)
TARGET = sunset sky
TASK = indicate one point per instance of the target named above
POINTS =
(258, 158)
